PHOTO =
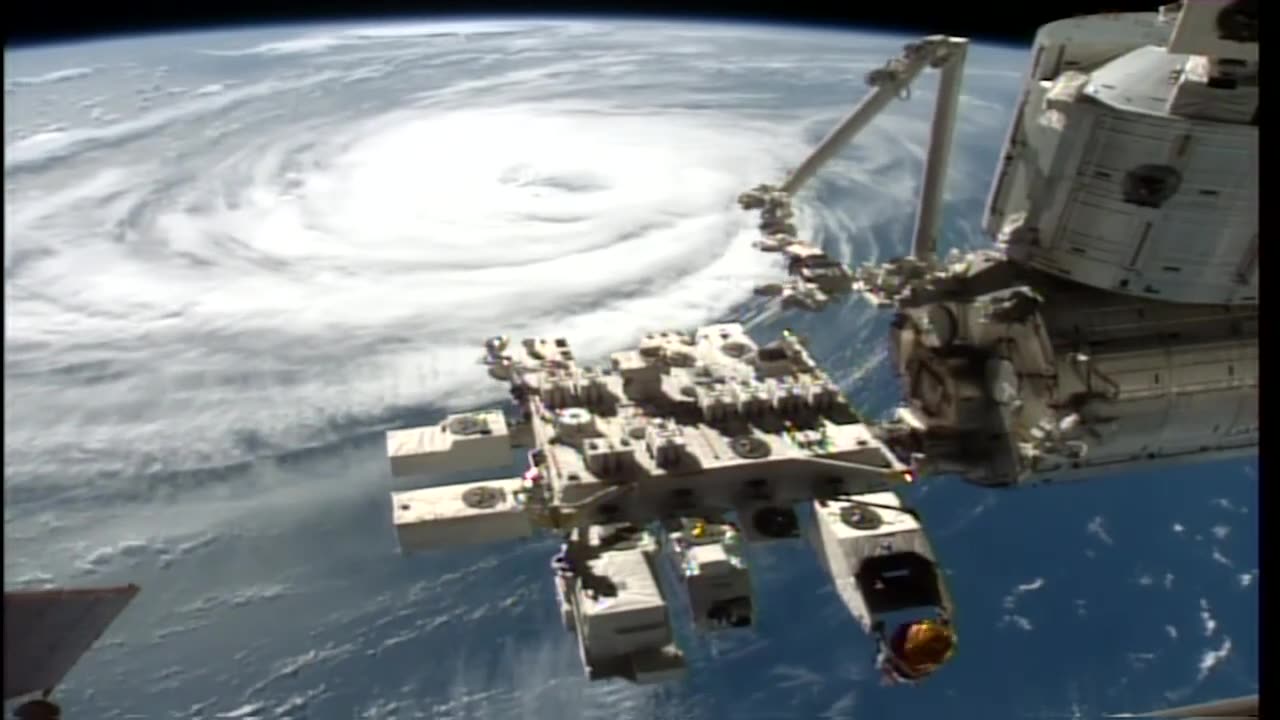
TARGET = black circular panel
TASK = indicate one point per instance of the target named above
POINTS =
(1151, 185)
(1238, 22)
(943, 323)
(749, 447)
(861, 517)
(775, 522)
(466, 425)
(484, 497)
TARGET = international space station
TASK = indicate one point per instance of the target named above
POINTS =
(1113, 324)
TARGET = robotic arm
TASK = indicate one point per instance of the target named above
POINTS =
(892, 80)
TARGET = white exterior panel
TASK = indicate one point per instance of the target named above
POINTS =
(470, 441)
(1102, 184)
(844, 548)
(462, 514)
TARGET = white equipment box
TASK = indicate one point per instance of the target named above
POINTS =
(708, 559)
(462, 514)
(878, 556)
(470, 441)
(632, 616)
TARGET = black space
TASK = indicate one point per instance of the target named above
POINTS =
(1002, 22)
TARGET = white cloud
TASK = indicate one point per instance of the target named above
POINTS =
(842, 708)
(1226, 504)
(1029, 586)
(1171, 631)
(1096, 529)
(1213, 658)
(1011, 599)
(56, 76)
(1140, 660)
(1221, 531)
(1017, 621)
(1206, 617)
(792, 676)
(321, 42)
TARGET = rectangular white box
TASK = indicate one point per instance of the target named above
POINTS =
(462, 514)
(893, 526)
(633, 619)
(467, 441)
(715, 583)
(847, 542)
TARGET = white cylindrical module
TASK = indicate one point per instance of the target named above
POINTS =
(1140, 405)
(1078, 382)
(1118, 174)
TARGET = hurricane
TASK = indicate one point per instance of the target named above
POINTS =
(232, 260)
(317, 241)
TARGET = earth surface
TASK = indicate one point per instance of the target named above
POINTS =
(232, 260)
